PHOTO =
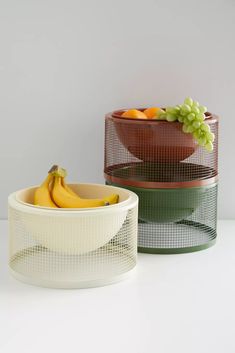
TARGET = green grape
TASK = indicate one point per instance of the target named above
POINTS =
(195, 110)
(191, 128)
(170, 110)
(205, 127)
(196, 124)
(196, 134)
(185, 128)
(202, 132)
(209, 146)
(171, 117)
(202, 141)
(162, 116)
(183, 112)
(186, 121)
(188, 101)
(202, 109)
(210, 136)
(191, 116)
(200, 121)
(180, 119)
(199, 117)
(186, 108)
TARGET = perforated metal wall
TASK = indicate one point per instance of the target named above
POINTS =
(35, 260)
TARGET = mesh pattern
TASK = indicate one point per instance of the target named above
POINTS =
(174, 178)
(176, 220)
(194, 228)
(45, 263)
(156, 151)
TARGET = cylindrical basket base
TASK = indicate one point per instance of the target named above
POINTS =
(193, 237)
(104, 272)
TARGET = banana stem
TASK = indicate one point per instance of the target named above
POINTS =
(53, 169)
(58, 171)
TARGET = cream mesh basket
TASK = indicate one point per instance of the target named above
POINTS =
(73, 248)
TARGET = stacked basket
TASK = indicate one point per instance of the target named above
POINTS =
(73, 248)
(175, 179)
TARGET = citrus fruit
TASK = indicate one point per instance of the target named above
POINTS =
(153, 112)
(134, 114)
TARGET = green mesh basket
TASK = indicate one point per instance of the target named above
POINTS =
(176, 220)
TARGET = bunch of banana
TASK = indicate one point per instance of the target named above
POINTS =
(42, 196)
(54, 192)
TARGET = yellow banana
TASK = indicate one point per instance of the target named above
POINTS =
(42, 195)
(58, 171)
(66, 200)
(67, 188)
(112, 199)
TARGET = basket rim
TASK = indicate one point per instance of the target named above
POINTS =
(131, 201)
(148, 185)
(116, 115)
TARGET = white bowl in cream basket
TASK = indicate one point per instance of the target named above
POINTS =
(70, 231)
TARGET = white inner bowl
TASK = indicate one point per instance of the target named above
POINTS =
(73, 231)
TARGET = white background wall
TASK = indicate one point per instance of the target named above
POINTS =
(63, 64)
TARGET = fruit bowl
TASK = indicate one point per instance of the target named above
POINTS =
(70, 231)
(154, 140)
(169, 205)
(167, 192)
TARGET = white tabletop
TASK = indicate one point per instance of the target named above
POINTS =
(172, 303)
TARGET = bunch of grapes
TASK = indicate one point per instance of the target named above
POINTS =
(192, 116)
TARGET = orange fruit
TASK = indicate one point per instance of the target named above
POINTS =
(134, 114)
(153, 112)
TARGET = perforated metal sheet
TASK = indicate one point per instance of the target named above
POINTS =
(32, 262)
